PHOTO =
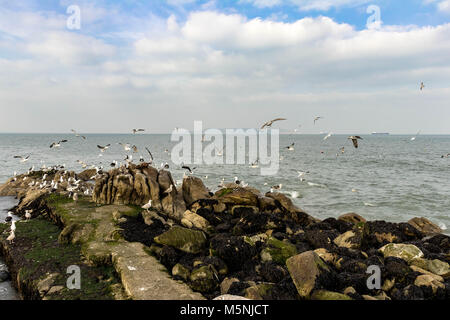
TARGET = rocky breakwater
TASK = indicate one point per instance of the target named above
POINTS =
(241, 242)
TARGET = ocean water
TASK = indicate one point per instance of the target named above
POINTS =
(388, 178)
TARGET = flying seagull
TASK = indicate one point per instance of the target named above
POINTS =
(103, 148)
(328, 136)
(415, 137)
(77, 134)
(151, 156)
(291, 147)
(138, 130)
(57, 144)
(22, 159)
(126, 147)
(317, 119)
(355, 140)
(191, 171)
(269, 124)
(422, 86)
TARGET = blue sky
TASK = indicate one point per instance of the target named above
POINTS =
(176, 61)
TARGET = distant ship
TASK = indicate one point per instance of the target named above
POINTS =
(380, 133)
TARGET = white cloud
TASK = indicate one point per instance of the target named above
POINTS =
(444, 6)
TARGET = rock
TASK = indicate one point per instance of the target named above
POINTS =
(435, 266)
(33, 200)
(380, 233)
(425, 272)
(187, 240)
(203, 279)
(226, 284)
(424, 225)
(352, 218)
(86, 175)
(237, 196)
(321, 238)
(180, 272)
(388, 285)
(429, 281)
(43, 286)
(194, 190)
(233, 250)
(278, 251)
(230, 297)
(174, 206)
(407, 252)
(260, 291)
(305, 270)
(54, 290)
(329, 295)
(268, 205)
(326, 256)
(350, 239)
(193, 220)
(151, 216)
(283, 202)
(4, 275)
(239, 211)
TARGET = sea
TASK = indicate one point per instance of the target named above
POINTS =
(389, 177)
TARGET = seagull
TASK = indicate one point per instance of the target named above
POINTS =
(191, 171)
(147, 206)
(445, 155)
(135, 149)
(236, 180)
(83, 164)
(165, 166)
(13, 226)
(9, 217)
(75, 197)
(138, 130)
(22, 159)
(114, 164)
(414, 138)
(291, 147)
(104, 148)
(28, 214)
(78, 135)
(317, 119)
(301, 174)
(422, 86)
(169, 190)
(328, 136)
(11, 237)
(269, 124)
(126, 147)
(355, 140)
(57, 144)
(277, 187)
(255, 164)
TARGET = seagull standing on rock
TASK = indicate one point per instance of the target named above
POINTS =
(147, 205)
(28, 214)
(11, 237)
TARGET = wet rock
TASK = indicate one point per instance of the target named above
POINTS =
(226, 284)
(193, 220)
(329, 295)
(272, 272)
(424, 225)
(278, 251)
(187, 240)
(428, 273)
(435, 266)
(194, 190)
(429, 281)
(240, 211)
(180, 272)
(398, 269)
(237, 196)
(267, 205)
(173, 205)
(150, 217)
(407, 252)
(306, 269)
(203, 279)
(352, 218)
(379, 233)
(233, 250)
(261, 291)
(326, 256)
(350, 239)
(321, 238)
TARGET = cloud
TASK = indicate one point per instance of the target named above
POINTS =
(444, 6)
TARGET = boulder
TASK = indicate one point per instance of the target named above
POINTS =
(407, 252)
(173, 205)
(435, 266)
(326, 256)
(350, 239)
(278, 251)
(424, 225)
(226, 284)
(428, 273)
(379, 233)
(203, 279)
(181, 272)
(429, 281)
(187, 240)
(193, 220)
(237, 196)
(165, 180)
(267, 205)
(283, 202)
(86, 175)
(194, 190)
(352, 218)
(306, 269)
(260, 291)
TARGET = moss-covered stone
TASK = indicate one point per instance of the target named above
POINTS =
(203, 279)
(278, 251)
(187, 240)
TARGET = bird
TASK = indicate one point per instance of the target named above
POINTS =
(57, 144)
(169, 190)
(13, 226)
(126, 146)
(317, 119)
(147, 205)
(328, 136)
(28, 214)
(82, 163)
(135, 149)
(75, 197)
(138, 130)
(445, 155)
(11, 237)
(103, 148)
(22, 159)
(78, 135)
(277, 187)
(355, 140)
(422, 86)
(114, 164)
(415, 137)
(255, 164)
(269, 124)
(9, 217)
(291, 147)
(191, 171)
(165, 166)
(301, 174)
(149, 152)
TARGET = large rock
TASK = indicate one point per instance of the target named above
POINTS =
(237, 196)
(173, 205)
(193, 220)
(306, 269)
(429, 281)
(424, 225)
(203, 279)
(353, 218)
(194, 190)
(350, 239)
(435, 266)
(379, 233)
(190, 241)
(407, 252)
(278, 251)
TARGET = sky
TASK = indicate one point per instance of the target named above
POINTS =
(163, 64)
